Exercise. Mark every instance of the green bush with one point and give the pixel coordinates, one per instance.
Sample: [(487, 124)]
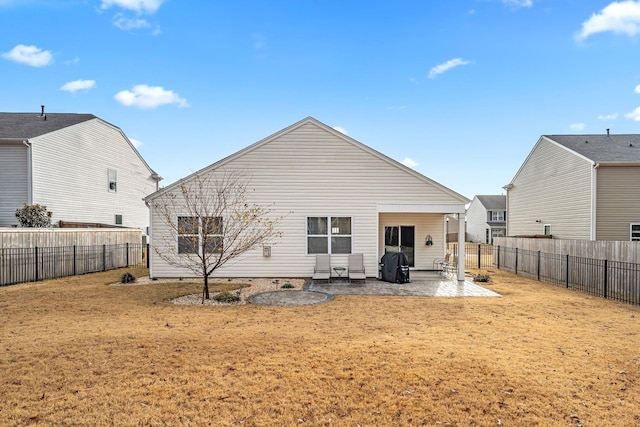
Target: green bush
[(127, 278), (226, 297), (287, 286)]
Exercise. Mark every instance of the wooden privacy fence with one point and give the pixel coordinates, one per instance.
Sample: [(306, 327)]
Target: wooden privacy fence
[(19, 265), (55, 237)]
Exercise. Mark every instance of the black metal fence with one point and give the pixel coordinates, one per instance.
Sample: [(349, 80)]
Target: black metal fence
[(616, 280), (19, 265)]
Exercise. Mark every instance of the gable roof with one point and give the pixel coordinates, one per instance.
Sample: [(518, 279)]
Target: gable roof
[(493, 202), (602, 148), (338, 134), (31, 125)]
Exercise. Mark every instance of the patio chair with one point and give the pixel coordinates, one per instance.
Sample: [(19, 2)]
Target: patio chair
[(356, 267), (322, 270), (442, 265)]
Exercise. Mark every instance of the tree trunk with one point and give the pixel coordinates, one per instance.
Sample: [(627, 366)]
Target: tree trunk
[(205, 289)]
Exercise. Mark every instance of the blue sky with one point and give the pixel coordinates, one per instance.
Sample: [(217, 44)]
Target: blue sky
[(459, 90)]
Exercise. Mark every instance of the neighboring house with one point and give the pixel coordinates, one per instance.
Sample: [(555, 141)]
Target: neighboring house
[(578, 187), (83, 169), (311, 174), (486, 218)]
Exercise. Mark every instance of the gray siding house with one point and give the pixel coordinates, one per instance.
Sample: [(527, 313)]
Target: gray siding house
[(310, 172), (578, 187), (486, 218), (85, 170)]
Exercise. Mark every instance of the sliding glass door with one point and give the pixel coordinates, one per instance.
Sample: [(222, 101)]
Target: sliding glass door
[(401, 238)]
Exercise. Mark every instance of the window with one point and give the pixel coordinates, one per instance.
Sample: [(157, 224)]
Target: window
[(547, 229), (113, 180), (328, 235), (635, 233), (195, 233), (118, 219), (497, 215)]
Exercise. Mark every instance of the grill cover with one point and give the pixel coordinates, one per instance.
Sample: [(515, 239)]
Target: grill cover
[(395, 267)]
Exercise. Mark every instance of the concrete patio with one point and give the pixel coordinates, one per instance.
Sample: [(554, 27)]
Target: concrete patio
[(423, 283)]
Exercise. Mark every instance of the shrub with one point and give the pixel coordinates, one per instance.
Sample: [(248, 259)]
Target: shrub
[(226, 297), (287, 286), (34, 216), (127, 278), (481, 278)]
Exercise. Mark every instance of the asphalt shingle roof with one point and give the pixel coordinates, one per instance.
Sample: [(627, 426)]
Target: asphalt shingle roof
[(31, 125), (494, 202), (602, 148)]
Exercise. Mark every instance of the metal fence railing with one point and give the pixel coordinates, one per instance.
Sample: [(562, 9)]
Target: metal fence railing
[(19, 265), (614, 280)]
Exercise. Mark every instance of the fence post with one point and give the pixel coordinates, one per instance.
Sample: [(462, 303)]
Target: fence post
[(567, 265), (35, 256), (498, 257), (479, 250), (538, 266), (75, 273), (516, 267), (127, 254), (148, 255), (605, 278), (104, 257)]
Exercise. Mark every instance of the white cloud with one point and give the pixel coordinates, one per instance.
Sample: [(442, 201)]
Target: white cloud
[(144, 96), (637, 89), (29, 55), (634, 115), (127, 24), (446, 66), (409, 162), (577, 126), (518, 3), (135, 142), (341, 130), (618, 17), (611, 116), (139, 6), (79, 85)]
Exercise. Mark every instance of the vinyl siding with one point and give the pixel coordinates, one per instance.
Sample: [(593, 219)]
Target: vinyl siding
[(70, 175), (14, 181), (311, 172), (553, 186), (618, 201), (424, 224), (476, 222)]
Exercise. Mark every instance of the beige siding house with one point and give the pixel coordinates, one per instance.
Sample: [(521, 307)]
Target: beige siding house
[(309, 172), (82, 168), (578, 187), (486, 218)]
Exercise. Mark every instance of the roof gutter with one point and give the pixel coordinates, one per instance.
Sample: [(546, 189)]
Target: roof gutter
[(29, 172)]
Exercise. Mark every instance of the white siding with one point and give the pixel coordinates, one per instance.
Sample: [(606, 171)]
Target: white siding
[(618, 195), (554, 187), (309, 171), (70, 175), (477, 222), (14, 181)]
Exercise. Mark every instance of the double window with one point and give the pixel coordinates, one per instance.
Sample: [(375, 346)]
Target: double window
[(497, 216), (328, 235), (200, 235), (635, 232)]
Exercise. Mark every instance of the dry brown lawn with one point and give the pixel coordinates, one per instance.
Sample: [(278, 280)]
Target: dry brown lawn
[(76, 351)]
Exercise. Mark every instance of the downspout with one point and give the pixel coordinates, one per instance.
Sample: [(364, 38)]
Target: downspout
[(461, 240), (594, 182), (29, 173)]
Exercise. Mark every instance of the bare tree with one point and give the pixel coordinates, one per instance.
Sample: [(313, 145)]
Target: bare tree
[(211, 221)]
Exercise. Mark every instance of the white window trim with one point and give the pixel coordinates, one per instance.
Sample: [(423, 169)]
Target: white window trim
[(494, 214), (544, 229), (112, 188), (631, 239), (328, 235), (199, 235)]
